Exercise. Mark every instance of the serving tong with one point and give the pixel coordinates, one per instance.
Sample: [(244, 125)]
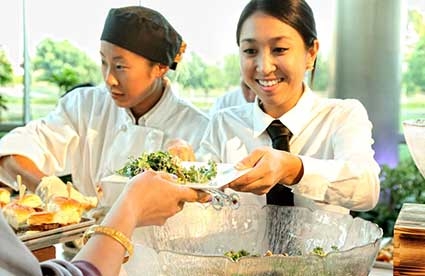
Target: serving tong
[(221, 199)]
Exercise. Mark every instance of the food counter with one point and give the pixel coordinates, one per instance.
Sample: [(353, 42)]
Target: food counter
[(376, 271), (381, 272)]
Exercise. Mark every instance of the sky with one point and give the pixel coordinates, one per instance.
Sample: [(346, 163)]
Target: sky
[(207, 26)]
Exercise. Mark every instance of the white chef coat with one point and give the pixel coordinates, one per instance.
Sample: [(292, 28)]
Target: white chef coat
[(333, 138), (89, 136), (232, 98)]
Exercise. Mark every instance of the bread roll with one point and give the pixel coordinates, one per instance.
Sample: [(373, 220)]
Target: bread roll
[(55, 187), (67, 210), (31, 200), (42, 221), (4, 197), (17, 214)]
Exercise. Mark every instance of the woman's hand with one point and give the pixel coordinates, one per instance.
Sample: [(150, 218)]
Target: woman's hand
[(155, 196), (180, 148), (270, 166), (149, 198)]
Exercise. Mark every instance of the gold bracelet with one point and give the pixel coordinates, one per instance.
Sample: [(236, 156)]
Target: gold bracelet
[(115, 234)]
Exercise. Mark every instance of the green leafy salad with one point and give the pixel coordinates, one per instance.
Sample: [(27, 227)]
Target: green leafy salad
[(236, 255), (164, 161)]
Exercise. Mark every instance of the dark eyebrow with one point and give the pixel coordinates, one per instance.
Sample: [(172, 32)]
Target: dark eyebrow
[(249, 40), (273, 39), (114, 58)]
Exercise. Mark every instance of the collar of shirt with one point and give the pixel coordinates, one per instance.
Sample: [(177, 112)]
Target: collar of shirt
[(294, 119), (156, 115)]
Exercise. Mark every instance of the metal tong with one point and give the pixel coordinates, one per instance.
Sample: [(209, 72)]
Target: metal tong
[(221, 199)]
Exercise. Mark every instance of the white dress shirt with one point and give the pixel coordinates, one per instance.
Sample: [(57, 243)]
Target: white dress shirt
[(89, 136), (333, 138), (231, 98)]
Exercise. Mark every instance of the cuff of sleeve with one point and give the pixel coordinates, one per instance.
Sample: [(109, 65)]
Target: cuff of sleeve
[(312, 185), (87, 268)]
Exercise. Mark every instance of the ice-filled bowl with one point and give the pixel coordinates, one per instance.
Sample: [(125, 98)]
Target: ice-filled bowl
[(414, 133), (194, 242)]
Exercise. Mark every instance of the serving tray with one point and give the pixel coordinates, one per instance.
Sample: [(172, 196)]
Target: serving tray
[(42, 239)]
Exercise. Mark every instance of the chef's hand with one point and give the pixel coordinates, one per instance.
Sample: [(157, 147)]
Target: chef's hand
[(270, 166), (152, 197), (181, 149)]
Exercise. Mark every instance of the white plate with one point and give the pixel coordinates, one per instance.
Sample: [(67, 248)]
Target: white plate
[(226, 173)]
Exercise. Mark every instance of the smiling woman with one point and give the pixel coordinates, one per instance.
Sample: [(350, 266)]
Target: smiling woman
[(330, 164)]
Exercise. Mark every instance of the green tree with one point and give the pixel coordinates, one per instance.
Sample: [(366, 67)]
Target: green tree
[(231, 71), (6, 77), (64, 65), (191, 72), (414, 77), (214, 77), (417, 20), (6, 71), (194, 73)]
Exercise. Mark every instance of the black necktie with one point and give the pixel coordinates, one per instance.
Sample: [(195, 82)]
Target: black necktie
[(280, 135)]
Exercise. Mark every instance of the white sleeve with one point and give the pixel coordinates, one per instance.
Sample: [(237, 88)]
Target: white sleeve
[(351, 178), (47, 142)]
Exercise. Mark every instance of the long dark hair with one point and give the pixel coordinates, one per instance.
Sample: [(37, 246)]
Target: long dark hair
[(295, 13)]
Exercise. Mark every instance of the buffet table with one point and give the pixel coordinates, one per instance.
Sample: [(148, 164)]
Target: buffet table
[(381, 272), (44, 254), (376, 271)]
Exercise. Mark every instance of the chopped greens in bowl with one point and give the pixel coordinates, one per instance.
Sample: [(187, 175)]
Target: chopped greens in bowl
[(164, 161)]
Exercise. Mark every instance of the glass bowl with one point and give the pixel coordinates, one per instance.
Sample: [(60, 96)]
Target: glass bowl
[(414, 133), (194, 242)]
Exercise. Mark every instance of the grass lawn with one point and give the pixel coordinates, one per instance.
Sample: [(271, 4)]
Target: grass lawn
[(412, 108)]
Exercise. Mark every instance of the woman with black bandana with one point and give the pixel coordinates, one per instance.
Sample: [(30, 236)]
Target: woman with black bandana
[(94, 130)]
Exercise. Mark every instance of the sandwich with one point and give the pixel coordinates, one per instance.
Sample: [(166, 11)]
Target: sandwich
[(30, 200), (4, 197), (66, 210), (17, 214), (42, 221), (56, 187), (20, 208), (60, 211)]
